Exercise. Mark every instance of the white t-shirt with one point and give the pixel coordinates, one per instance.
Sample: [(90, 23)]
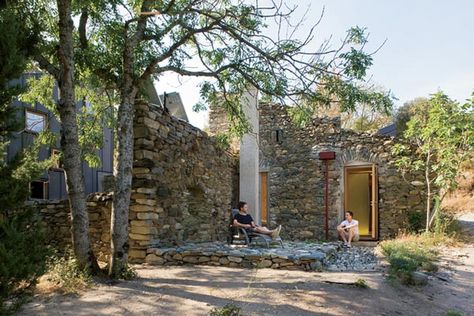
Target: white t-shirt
[(353, 222)]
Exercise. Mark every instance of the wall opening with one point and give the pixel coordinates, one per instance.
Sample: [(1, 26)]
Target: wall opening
[(360, 197)]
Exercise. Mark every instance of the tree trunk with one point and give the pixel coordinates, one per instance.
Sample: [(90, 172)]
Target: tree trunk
[(123, 168), (70, 140)]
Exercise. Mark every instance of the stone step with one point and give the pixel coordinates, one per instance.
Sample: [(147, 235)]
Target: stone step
[(365, 243)]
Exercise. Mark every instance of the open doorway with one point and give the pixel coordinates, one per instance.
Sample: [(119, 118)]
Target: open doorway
[(360, 197)]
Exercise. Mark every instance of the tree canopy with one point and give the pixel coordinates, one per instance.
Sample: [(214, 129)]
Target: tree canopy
[(443, 137)]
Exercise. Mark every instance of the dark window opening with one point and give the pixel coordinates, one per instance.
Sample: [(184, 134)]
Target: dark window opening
[(39, 190), (278, 136)]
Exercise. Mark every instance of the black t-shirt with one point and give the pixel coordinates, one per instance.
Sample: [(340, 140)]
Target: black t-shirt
[(243, 219)]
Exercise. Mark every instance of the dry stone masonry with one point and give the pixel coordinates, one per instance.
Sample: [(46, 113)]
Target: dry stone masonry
[(294, 257), (296, 175), (182, 183), (57, 219), (296, 182)]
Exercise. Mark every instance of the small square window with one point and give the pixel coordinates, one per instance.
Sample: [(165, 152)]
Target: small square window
[(35, 121), (39, 189)]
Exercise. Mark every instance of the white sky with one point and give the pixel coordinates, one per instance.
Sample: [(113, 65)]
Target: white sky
[(429, 46)]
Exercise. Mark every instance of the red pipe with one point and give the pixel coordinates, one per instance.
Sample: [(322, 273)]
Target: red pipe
[(326, 195), (326, 156)]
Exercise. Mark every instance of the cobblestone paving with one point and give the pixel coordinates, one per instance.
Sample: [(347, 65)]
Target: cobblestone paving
[(295, 255)]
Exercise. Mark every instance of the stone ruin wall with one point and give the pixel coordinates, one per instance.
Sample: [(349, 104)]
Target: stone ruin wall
[(182, 190), (182, 183), (296, 175), (57, 219)]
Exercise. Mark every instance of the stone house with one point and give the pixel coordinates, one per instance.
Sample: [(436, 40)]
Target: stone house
[(184, 184), (283, 175)]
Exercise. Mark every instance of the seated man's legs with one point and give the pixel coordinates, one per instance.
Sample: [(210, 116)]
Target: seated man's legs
[(352, 237), (344, 235), (348, 236), (263, 230)]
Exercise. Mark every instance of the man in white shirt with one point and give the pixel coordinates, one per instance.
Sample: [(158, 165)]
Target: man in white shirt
[(349, 230)]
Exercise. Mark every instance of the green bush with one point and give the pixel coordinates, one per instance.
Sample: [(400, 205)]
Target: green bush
[(128, 273), (361, 283), (227, 310), (22, 257), (66, 273), (416, 221), (446, 224), (410, 253)]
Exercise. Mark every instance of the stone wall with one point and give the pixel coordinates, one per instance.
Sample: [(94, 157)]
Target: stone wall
[(296, 175), (296, 257), (56, 215), (182, 183)]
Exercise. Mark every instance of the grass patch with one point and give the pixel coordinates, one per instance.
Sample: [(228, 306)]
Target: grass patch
[(361, 283), (409, 253), (65, 276), (453, 313), (128, 273), (227, 310)]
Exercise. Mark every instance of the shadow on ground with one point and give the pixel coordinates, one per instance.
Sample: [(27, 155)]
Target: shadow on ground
[(195, 290)]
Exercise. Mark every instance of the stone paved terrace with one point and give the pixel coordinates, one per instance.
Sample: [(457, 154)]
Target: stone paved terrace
[(294, 256)]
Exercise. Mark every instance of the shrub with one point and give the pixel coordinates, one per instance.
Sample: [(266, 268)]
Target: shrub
[(416, 221), (446, 224), (410, 253), (128, 273), (227, 310), (65, 272), (22, 257), (361, 283)]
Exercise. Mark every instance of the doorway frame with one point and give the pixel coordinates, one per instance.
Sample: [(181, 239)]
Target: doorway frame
[(371, 168)]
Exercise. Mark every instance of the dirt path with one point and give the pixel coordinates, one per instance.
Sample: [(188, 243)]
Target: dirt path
[(195, 290)]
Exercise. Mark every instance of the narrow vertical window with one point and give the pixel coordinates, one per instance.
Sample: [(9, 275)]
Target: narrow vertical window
[(277, 135)]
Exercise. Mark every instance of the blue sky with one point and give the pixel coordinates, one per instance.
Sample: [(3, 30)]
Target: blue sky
[(430, 46)]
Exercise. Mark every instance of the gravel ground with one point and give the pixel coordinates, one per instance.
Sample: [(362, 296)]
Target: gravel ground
[(195, 290)]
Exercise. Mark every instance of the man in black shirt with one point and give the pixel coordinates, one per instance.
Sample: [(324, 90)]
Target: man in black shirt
[(245, 220)]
